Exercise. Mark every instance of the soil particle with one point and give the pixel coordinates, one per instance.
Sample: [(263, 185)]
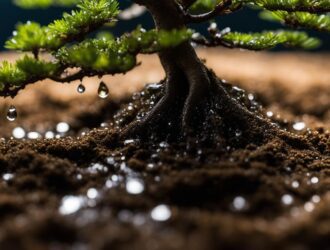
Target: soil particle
[(92, 190)]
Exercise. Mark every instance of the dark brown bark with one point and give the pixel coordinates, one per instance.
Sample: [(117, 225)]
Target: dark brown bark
[(187, 78), (185, 73)]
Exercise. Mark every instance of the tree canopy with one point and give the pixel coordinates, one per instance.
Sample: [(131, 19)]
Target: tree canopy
[(71, 45)]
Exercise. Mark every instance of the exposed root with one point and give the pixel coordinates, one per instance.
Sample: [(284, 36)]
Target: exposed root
[(208, 108)]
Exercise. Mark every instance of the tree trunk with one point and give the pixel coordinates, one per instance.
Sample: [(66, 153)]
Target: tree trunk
[(181, 62), (187, 78)]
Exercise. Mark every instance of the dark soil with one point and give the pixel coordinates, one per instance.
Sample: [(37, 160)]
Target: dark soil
[(219, 189)]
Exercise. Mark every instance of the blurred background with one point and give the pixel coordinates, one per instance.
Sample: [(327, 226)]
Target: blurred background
[(245, 21)]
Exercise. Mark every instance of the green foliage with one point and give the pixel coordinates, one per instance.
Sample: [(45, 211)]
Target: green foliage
[(31, 37), (119, 56), (37, 68), (65, 38), (14, 76), (269, 39), (105, 55), (299, 19), (314, 6), (10, 75), (89, 16), (29, 4)]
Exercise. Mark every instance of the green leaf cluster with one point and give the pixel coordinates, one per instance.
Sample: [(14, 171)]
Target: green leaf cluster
[(105, 55), (312, 6), (299, 19), (29, 4), (14, 76), (89, 16), (66, 39), (269, 39), (119, 55)]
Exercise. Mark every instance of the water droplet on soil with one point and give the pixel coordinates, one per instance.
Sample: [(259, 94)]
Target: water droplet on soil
[(7, 176), (71, 204), (18, 133), (151, 166), (251, 97), (314, 180), (103, 90), (316, 199), (164, 144), (95, 168), (154, 86), (239, 203), (49, 135), (81, 88), (12, 113), (134, 186), (309, 206), (161, 213), (109, 184), (238, 133), (269, 113), (92, 193), (295, 184), (62, 127), (33, 135), (287, 199), (299, 126), (130, 141)]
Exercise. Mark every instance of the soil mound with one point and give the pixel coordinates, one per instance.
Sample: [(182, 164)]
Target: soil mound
[(88, 189)]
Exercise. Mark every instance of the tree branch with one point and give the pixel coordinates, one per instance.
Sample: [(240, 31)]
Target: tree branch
[(221, 8)]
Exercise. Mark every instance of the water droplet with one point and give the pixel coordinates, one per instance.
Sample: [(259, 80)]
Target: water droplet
[(103, 90), (110, 160), (299, 126), (7, 176), (164, 144), (295, 184), (49, 135), (81, 88), (115, 178), (71, 204), (12, 113), (269, 113), (314, 180), (95, 168), (309, 206), (238, 133), (287, 199), (316, 199), (109, 184), (239, 203), (150, 166), (130, 141), (104, 125), (154, 86), (33, 135), (161, 213), (92, 193), (18, 133), (62, 127), (213, 27), (134, 186), (251, 97)]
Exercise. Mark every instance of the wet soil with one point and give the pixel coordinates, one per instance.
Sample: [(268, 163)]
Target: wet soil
[(88, 189)]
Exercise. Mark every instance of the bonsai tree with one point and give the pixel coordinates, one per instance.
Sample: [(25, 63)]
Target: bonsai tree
[(189, 88)]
